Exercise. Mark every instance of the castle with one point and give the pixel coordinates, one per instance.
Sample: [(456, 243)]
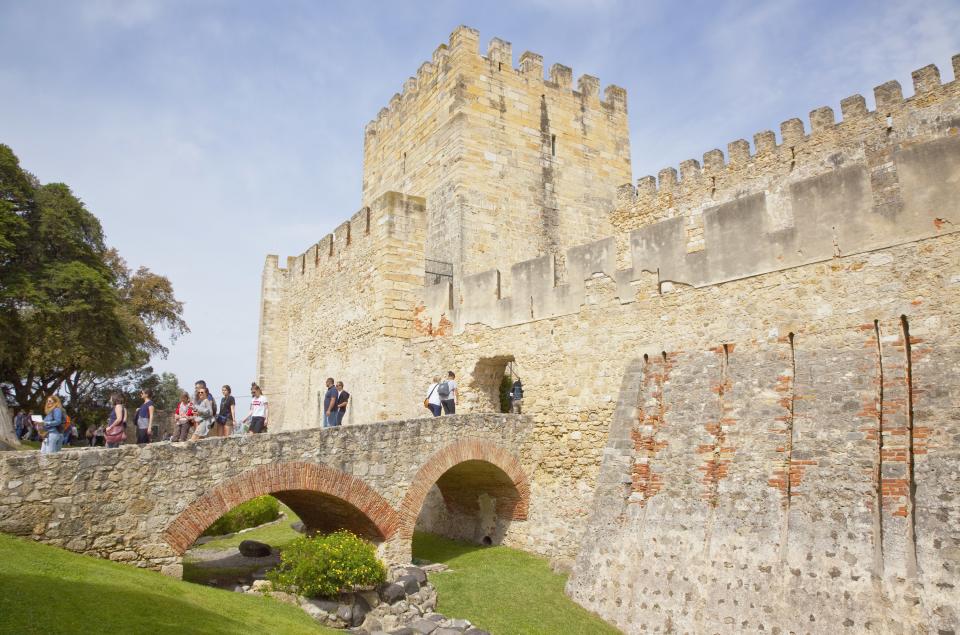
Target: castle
[(742, 376)]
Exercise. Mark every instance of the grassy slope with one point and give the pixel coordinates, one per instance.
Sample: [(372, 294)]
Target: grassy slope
[(48, 590), (276, 535), (503, 590)]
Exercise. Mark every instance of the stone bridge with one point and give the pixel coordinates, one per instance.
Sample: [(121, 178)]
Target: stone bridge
[(147, 504)]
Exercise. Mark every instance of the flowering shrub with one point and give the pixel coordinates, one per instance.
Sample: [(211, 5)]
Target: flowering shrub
[(253, 513), (323, 566)]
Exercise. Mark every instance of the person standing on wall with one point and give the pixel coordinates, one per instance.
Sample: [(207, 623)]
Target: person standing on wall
[(54, 421), (330, 405), (228, 413), (448, 393), (432, 402), (145, 417), (202, 385), (22, 424), (516, 397), (183, 416), (116, 422), (342, 398), (204, 409), (259, 411)]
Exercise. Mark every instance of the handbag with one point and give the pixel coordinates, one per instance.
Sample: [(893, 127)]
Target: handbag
[(426, 402), (115, 433)]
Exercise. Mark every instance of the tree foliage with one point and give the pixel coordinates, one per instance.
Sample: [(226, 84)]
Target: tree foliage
[(72, 314)]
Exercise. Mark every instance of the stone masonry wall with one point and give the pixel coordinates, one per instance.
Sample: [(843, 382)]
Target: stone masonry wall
[(340, 310)]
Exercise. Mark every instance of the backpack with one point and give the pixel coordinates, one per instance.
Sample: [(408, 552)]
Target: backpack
[(444, 390)]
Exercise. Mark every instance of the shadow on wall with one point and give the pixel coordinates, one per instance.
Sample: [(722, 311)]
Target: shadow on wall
[(473, 501)]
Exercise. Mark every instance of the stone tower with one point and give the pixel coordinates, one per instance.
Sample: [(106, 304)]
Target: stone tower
[(512, 165)]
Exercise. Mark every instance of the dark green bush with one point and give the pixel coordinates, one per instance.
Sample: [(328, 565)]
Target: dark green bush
[(323, 566), (254, 512)]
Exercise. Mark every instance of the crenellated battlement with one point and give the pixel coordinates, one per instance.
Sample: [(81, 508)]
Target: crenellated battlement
[(873, 180), (800, 149), (464, 43)]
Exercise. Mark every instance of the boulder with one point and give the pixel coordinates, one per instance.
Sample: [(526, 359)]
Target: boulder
[(391, 593), (260, 585), (410, 583), (460, 625), (299, 527), (254, 549), (418, 574), (345, 612), (447, 631), (424, 627), (403, 631), (360, 609)]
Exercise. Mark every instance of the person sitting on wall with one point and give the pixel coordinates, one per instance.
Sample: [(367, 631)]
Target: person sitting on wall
[(448, 393), (432, 402), (330, 405), (342, 398)]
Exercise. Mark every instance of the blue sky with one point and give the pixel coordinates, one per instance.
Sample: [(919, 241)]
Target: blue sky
[(206, 134)]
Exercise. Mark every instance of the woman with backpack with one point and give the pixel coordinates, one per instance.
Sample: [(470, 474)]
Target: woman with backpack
[(116, 422), (432, 402), (54, 421)]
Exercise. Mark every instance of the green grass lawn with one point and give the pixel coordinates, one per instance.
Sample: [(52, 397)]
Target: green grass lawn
[(276, 535), (48, 590), (503, 590)]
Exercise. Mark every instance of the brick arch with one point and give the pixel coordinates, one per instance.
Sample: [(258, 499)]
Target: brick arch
[(297, 483), (464, 453)]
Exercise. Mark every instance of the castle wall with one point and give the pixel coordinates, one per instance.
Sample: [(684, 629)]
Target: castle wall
[(512, 165), (341, 310), (785, 445)]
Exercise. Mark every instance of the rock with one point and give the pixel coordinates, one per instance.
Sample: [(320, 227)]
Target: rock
[(299, 527), (391, 593), (436, 567), (436, 617), (372, 624), (370, 597), (239, 589), (424, 627), (475, 631), (418, 574), (403, 631), (448, 631), (254, 549), (360, 609), (460, 624), (345, 612), (312, 606), (260, 585), (410, 583)]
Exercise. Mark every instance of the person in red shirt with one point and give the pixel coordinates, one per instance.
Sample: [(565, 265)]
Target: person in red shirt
[(183, 417)]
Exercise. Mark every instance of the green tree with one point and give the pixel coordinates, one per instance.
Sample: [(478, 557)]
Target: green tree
[(72, 313)]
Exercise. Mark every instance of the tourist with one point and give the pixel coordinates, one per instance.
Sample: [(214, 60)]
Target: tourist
[(228, 413), (202, 385), (342, 398), (100, 436), (145, 417), (516, 397), (90, 435), (22, 424), (116, 422), (448, 394), (203, 412), (259, 411), (330, 405), (69, 431), (54, 421), (432, 402), (183, 417)]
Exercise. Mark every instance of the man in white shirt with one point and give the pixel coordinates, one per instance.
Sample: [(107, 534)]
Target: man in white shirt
[(448, 394)]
